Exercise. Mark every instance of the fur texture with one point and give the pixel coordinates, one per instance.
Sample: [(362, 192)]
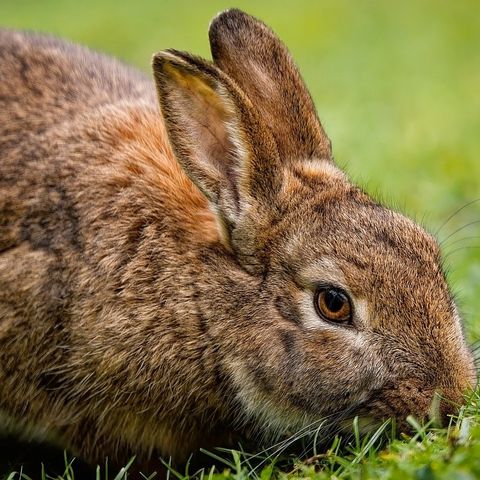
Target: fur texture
[(158, 265)]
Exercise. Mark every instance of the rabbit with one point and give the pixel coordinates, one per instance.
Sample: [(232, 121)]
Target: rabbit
[(183, 265)]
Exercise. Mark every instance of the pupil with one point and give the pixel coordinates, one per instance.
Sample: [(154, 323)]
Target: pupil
[(334, 300)]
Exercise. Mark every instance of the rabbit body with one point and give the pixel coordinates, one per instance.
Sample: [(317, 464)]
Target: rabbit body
[(101, 235), (158, 265)]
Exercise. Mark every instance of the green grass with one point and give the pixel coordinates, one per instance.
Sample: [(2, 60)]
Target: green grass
[(397, 86), (451, 453)]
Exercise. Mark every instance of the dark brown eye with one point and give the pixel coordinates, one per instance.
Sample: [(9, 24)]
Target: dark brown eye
[(333, 305)]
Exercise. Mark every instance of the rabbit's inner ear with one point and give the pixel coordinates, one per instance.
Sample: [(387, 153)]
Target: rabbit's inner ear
[(204, 129), (206, 118)]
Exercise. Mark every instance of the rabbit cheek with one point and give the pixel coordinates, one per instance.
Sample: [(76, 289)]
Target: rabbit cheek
[(268, 384), (262, 402), (302, 378)]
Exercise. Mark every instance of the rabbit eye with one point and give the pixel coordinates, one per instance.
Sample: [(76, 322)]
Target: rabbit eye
[(333, 305)]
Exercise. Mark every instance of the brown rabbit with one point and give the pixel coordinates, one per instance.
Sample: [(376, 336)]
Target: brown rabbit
[(181, 276)]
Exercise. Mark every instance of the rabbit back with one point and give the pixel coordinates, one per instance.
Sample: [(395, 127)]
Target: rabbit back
[(95, 217)]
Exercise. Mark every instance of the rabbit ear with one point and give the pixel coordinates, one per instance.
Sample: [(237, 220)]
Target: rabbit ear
[(250, 53), (216, 134)]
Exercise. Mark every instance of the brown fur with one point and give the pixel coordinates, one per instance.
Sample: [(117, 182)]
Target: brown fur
[(158, 267)]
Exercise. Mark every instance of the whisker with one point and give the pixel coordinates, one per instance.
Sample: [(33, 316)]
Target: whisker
[(459, 240), (456, 212), (333, 418), (458, 230), (328, 435), (284, 444), (465, 247), (326, 423)]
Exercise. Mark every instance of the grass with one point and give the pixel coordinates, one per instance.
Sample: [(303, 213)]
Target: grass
[(397, 88), (429, 454)]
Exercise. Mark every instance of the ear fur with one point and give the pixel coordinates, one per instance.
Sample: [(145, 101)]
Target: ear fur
[(216, 135), (252, 55)]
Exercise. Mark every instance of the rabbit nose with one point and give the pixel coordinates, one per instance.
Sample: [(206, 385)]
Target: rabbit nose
[(451, 391)]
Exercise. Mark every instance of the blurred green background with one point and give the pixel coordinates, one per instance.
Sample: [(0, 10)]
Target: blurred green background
[(397, 86)]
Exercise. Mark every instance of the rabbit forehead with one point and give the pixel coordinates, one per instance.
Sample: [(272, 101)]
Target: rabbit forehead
[(372, 252), (343, 223)]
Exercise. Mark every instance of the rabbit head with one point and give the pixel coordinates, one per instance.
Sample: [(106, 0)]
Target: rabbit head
[(324, 303)]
